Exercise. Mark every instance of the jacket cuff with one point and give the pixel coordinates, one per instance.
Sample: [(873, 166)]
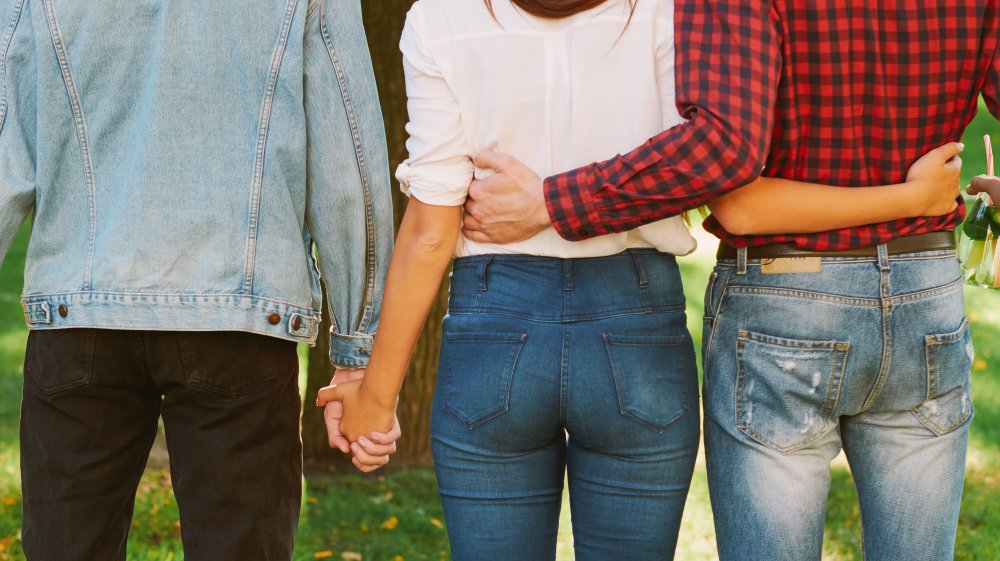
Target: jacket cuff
[(350, 351)]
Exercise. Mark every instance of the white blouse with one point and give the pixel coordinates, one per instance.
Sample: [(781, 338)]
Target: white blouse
[(556, 94)]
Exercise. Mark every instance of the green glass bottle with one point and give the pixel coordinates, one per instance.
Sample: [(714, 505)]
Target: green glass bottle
[(977, 243)]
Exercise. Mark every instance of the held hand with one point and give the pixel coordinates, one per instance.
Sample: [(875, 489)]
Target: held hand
[(506, 207), (334, 411), (361, 415), (935, 177), (986, 184), (373, 452)]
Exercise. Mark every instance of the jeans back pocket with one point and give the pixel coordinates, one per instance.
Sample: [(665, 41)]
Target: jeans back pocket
[(60, 359), (478, 373), (655, 377), (949, 358), (787, 389), (234, 364)]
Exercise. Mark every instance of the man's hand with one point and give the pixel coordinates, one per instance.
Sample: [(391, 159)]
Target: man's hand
[(506, 207), (333, 411), (935, 177), (986, 184)]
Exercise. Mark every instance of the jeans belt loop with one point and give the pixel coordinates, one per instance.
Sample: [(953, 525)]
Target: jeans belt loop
[(483, 265), (640, 272), (741, 261), (883, 257), (567, 266)]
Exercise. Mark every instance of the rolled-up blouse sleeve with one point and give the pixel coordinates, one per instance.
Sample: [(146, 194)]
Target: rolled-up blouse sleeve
[(439, 168)]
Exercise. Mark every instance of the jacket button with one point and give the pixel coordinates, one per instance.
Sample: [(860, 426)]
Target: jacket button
[(296, 323), (63, 310), (274, 319)]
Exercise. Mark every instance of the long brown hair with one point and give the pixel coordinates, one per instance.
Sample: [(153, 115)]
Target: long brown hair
[(557, 8)]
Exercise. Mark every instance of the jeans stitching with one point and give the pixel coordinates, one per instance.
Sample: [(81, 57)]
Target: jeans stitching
[(8, 37), (665, 341), (277, 57), (371, 265), (932, 346), (78, 382), (519, 339), (839, 350), (801, 295), (81, 133), (926, 294), (559, 318), (709, 326)]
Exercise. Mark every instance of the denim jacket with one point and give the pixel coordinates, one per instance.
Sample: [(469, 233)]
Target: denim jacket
[(194, 165)]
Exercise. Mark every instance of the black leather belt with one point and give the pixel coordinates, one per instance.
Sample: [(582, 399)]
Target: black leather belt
[(910, 244)]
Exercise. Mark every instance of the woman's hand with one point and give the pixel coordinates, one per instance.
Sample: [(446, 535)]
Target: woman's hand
[(986, 184), (934, 180)]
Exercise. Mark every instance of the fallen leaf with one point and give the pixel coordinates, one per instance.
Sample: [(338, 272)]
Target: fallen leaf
[(351, 556), (322, 554), (390, 524), (980, 364), (436, 523)]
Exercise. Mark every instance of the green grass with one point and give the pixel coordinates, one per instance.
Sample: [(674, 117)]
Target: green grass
[(383, 518), (396, 516)]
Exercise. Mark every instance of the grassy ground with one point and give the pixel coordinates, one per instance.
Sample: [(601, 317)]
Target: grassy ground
[(397, 517)]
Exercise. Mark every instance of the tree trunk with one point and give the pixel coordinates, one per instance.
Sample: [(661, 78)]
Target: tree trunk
[(384, 24)]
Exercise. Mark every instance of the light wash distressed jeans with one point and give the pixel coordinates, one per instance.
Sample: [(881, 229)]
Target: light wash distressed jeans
[(871, 355), (553, 368)]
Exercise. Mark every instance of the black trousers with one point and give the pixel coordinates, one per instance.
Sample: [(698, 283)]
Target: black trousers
[(230, 406)]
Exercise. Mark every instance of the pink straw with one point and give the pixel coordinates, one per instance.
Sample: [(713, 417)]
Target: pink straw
[(989, 154)]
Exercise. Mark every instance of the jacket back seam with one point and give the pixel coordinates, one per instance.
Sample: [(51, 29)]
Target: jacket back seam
[(367, 312), (261, 151), (8, 37), (81, 133)]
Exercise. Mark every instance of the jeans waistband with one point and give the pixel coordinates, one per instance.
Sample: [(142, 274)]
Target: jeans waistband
[(555, 289)]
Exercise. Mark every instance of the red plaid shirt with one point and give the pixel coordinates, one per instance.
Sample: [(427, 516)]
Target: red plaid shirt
[(841, 92)]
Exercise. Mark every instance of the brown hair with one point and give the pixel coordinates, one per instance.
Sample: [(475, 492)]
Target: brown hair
[(557, 8)]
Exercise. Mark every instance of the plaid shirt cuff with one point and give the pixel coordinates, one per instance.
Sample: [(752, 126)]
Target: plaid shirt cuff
[(571, 204)]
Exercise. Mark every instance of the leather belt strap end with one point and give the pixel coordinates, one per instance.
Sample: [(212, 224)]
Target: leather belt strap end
[(933, 241)]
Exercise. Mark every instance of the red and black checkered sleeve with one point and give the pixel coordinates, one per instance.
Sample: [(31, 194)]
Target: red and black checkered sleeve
[(728, 67), (991, 88)]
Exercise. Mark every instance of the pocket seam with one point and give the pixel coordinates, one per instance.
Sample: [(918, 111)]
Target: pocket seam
[(50, 390), (840, 352), (643, 341), (932, 344), (519, 338), (187, 355)]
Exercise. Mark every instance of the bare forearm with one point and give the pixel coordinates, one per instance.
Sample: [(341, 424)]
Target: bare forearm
[(780, 206), (424, 247)]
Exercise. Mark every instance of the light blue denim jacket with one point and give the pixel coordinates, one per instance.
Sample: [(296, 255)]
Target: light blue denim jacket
[(193, 165)]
